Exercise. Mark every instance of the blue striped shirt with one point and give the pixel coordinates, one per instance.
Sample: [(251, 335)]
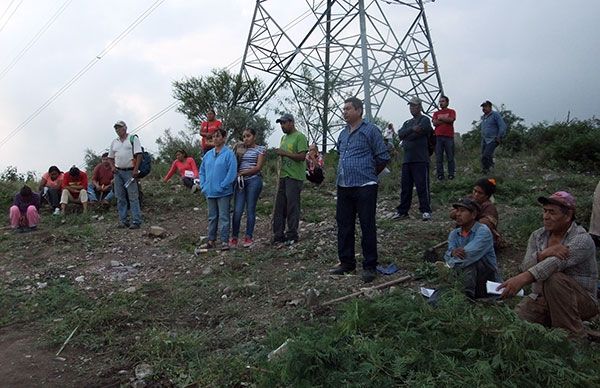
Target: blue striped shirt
[(250, 159), (360, 152)]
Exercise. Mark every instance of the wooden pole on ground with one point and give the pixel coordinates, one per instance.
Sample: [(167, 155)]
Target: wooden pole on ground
[(377, 287)]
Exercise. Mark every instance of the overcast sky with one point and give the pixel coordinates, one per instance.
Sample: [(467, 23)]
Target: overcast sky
[(538, 58)]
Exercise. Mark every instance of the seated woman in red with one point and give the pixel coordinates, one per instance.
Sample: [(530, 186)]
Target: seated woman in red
[(186, 166)]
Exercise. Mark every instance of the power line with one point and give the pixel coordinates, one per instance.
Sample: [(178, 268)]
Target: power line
[(84, 70), (35, 38), (154, 117), (11, 15), (6, 10)]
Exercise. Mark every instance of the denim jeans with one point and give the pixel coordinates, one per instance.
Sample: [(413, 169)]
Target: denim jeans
[(414, 174), (487, 154), (218, 214), (287, 209), (246, 198), (353, 201), (124, 193), (93, 194), (444, 144)]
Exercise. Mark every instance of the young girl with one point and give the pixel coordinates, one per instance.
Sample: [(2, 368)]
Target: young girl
[(248, 188)]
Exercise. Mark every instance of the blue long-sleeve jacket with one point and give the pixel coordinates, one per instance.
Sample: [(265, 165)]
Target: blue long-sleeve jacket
[(492, 126), (478, 245), (217, 173)]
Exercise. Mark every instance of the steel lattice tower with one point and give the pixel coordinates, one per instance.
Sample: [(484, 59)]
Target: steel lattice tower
[(340, 48)]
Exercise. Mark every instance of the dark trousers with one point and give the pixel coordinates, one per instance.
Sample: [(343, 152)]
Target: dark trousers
[(53, 197), (475, 277), (487, 155), (414, 174), (361, 201), (316, 176), (287, 208), (444, 144), (187, 182)]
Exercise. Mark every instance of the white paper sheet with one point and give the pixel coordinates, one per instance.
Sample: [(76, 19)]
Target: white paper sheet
[(427, 292), (491, 289)]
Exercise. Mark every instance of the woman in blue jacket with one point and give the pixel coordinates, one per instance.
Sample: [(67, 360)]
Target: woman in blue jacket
[(218, 171)]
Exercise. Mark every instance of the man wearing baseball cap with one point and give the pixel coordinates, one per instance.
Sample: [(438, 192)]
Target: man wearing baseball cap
[(471, 249), (493, 130), (561, 263)]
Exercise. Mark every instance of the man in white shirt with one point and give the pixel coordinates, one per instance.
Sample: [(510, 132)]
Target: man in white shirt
[(125, 156)]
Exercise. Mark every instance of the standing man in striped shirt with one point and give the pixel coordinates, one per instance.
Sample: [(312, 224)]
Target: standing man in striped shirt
[(363, 155)]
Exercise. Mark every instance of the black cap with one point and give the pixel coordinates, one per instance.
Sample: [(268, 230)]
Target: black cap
[(468, 204)]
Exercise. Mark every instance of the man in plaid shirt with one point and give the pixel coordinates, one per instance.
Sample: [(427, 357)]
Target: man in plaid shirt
[(561, 263)]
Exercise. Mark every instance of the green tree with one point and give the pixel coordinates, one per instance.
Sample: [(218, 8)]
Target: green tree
[(168, 145), (227, 94), (91, 159)]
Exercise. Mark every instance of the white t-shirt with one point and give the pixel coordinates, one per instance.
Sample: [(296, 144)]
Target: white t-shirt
[(121, 151)]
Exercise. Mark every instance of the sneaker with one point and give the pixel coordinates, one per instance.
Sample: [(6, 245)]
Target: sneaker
[(277, 241), (224, 246), (233, 242), (426, 216), (33, 228), (398, 216), (450, 177), (291, 242), (368, 275), (441, 178), (339, 270), (248, 242), (134, 226), (56, 212), (123, 225), (194, 188)]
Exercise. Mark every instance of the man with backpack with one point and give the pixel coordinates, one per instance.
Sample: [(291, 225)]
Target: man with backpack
[(125, 155), (415, 134)]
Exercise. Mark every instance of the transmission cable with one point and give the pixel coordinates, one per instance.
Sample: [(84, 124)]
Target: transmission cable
[(84, 70), (11, 14), (35, 38)]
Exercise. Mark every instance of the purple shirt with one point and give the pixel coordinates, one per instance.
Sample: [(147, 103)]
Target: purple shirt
[(23, 203)]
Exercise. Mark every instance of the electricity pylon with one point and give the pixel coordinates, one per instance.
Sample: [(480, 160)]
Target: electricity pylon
[(337, 49)]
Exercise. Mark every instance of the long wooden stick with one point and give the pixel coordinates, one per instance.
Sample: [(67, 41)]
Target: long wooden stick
[(377, 287), (67, 340)]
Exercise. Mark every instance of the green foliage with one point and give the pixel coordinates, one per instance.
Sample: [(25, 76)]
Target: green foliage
[(400, 340), (11, 174), (91, 160), (569, 145), (168, 145), (227, 94)]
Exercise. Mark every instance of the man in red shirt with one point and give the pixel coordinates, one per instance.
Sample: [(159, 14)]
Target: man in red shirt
[(207, 128), (102, 181), (443, 122), (74, 187)]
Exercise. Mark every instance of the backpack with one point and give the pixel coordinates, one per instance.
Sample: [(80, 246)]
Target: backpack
[(146, 163)]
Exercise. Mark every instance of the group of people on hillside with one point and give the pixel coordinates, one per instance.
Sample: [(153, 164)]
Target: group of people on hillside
[(560, 260)]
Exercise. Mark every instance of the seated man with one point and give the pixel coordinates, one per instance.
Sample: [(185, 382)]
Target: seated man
[(74, 187), (561, 263), (102, 179), (471, 249), (24, 213)]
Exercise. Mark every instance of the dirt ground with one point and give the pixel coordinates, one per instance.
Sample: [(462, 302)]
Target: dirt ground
[(251, 290)]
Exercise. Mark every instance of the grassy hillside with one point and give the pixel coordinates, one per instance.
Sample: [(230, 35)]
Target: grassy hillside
[(137, 301)]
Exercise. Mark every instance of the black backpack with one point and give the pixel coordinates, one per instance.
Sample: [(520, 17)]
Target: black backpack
[(146, 163)]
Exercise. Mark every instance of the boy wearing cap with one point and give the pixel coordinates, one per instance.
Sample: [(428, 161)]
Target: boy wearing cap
[(561, 263), (471, 249), (493, 130), (292, 172)]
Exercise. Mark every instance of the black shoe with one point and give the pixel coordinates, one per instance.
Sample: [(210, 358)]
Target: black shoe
[(123, 225), (134, 226), (441, 177), (450, 177), (399, 216), (291, 241), (339, 270), (368, 275), (277, 241)]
